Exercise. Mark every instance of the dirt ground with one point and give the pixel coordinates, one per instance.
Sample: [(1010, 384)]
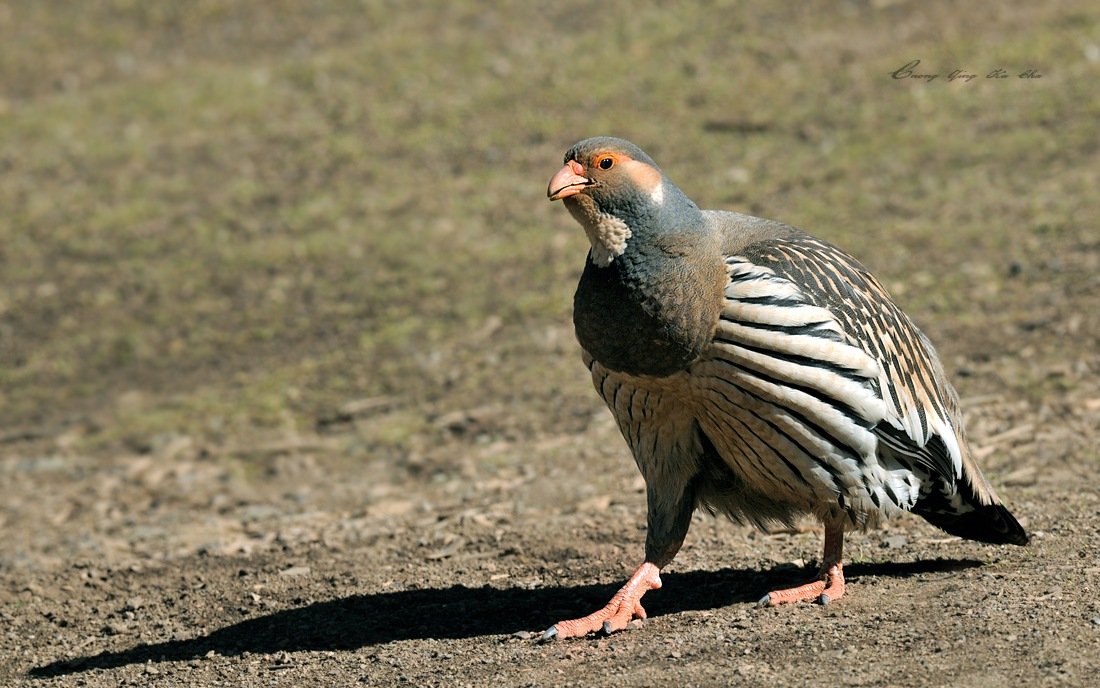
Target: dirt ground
[(290, 395)]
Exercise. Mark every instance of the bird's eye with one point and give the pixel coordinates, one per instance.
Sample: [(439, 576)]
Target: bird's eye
[(605, 163)]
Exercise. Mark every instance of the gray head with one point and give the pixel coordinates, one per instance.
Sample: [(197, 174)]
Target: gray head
[(619, 196), (614, 174)]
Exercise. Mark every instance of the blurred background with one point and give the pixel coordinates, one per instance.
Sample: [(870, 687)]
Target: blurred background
[(236, 229)]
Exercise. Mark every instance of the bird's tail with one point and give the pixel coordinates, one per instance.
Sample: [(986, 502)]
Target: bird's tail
[(991, 523)]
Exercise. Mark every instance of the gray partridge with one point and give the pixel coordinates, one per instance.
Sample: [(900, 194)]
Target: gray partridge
[(758, 372)]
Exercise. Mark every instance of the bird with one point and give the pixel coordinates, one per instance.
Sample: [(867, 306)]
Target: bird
[(758, 372)]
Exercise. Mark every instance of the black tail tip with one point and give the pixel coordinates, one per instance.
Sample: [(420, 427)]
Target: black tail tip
[(991, 523)]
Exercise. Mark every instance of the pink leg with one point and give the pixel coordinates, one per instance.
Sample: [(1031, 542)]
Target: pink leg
[(670, 505), (831, 584), (623, 607)]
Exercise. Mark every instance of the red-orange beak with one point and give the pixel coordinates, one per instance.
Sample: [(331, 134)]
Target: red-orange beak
[(568, 182)]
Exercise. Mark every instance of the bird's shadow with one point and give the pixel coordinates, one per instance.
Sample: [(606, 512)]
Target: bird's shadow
[(359, 621)]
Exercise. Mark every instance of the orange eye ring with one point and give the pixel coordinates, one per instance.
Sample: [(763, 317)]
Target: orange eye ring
[(605, 163)]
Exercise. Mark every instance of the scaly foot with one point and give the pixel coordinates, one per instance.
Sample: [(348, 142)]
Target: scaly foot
[(625, 606), (826, 590), (830, 585)]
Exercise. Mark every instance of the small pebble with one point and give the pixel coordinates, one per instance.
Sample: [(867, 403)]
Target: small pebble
[(895, 542)]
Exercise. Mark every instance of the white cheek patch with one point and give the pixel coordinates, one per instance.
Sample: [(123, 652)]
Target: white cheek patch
[(646, 179), (658, 193)]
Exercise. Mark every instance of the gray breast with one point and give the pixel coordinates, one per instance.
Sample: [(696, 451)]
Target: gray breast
[(638, 325)]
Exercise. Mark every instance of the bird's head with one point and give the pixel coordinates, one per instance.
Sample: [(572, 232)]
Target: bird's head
[(610, 173), (616, 192)]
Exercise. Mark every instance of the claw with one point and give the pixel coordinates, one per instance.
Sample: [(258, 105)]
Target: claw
[(829, 586), (617, 614), (549, 634)]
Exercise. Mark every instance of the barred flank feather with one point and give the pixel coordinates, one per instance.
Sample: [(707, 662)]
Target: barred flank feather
[(856, 396)]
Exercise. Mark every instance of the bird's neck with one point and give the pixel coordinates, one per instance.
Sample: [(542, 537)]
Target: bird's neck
[(653, 308), (607, 234), (612, 234)]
